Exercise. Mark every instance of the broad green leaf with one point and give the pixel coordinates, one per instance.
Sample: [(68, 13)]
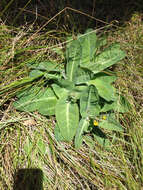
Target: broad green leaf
[(35, 73), (107, 58), (48, 66), (45, 66), (111, 124), (32, 65), (83, 126), (27, 100), (105, 90), (88, 44), (34, 90), (77, 91), (47, 102), (101, 138), (52, 76), (105, 77), (73, 55), (36, 99), (120, 105), (67, 116), (89, 102), (101, 41), (69, 85), (82, 76), (59, 91), (108, 106), (80, 88)]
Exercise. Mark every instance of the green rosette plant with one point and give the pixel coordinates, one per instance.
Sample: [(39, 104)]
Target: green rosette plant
[(79, 92)]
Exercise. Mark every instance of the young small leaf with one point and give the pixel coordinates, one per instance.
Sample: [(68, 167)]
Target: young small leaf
[(108, 106), (103, 141)]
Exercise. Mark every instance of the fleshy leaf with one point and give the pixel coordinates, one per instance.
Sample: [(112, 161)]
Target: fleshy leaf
[(77, 91), (67, 116), (47, 103)]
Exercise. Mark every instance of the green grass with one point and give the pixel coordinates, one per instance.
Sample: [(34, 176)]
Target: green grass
[(27, 139)]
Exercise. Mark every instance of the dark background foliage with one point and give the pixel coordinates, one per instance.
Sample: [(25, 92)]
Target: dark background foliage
[(16, 12)]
